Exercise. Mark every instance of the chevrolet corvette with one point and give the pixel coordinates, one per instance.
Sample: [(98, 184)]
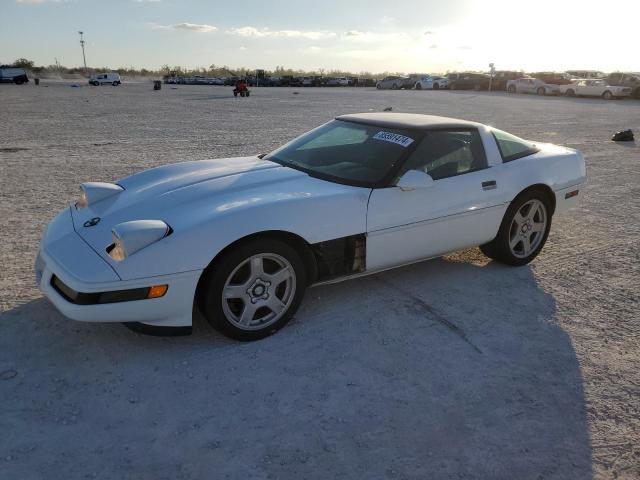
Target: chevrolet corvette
[(240, 239)]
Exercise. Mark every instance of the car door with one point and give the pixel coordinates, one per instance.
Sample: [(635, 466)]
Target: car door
[(461, 208)]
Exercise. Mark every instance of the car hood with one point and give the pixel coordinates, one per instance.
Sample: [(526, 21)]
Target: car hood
[(162, 192), (188, 195)]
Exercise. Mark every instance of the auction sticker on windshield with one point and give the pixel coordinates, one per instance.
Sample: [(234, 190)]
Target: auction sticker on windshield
[(394, 138)]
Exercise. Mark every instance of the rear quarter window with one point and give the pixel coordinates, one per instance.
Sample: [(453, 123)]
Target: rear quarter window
[(512, 147)]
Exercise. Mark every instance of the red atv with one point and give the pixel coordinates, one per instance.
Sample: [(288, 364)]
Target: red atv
[(241, 89)]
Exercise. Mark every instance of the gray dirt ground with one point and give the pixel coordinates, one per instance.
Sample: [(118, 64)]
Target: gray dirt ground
[(367, 382)]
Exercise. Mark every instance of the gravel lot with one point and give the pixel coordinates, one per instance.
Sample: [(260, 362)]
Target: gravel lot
[(453, 368)]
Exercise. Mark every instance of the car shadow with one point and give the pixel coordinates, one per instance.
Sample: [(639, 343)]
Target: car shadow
[(452, 368)]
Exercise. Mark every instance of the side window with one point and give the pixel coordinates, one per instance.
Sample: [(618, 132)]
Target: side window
[(512, 147), (447, 153)]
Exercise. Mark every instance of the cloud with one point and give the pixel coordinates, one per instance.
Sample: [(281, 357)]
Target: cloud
[(146, 1), (372, 37), (192, 27), (265, 33)]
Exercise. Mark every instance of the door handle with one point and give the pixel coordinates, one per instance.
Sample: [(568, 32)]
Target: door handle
[(489, 185)]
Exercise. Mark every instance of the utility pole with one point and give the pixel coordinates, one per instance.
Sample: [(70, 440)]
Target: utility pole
[(84, 59)]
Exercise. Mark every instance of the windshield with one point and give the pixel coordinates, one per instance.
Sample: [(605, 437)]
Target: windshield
[(347, 152)]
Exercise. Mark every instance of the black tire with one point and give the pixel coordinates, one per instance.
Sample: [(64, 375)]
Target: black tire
[(511, 89), (235, 94), (499, 249), (570, 93), (394, 87), (18, 81), (115, 84), (379, 87), (541, 91), (607, 95), (211, 291), (436, 86), (418, 86), (247, 94)]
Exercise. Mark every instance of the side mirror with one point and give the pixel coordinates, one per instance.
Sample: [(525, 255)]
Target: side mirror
[(414, 179)]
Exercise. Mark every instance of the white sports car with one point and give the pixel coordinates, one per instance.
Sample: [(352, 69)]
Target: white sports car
[(242, 238), (594, 88)]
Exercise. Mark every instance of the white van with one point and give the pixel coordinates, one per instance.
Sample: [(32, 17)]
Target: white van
[(113, 78)]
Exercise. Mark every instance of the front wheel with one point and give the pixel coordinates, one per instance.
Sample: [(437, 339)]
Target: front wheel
[(523, 232), (607, 95), (570, 93), (418, 86), (254, 290), (436, 86), (541, 91)]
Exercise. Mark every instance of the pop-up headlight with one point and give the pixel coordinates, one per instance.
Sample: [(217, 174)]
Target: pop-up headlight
[(93, 192), (130, 237)]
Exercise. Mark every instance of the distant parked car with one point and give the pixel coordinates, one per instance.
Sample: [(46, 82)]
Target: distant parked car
[(595, 88), (553, 78), (586, 74), (532, 85), (469, 81), (424, 83), (440, 82), (13, 75), (393, 82), (502, 77), (622, 79), (104, 78), (337, 82), (410, 81)]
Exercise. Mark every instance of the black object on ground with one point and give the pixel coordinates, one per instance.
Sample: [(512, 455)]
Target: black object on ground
[(157, 84), (623, 136)]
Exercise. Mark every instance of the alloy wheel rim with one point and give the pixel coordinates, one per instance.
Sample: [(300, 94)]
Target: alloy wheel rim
[(527, 228), (259, 291)]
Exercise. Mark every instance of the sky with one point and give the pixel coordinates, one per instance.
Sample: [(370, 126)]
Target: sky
[(354, 35)]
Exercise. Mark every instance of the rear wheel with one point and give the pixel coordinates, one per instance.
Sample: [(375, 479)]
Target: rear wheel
[(541, 91), (254, 290), (19, 81), (570, 93), (115, 84), (436, 86), (418, 86), (607, 95), (394, 87), (524, 230)]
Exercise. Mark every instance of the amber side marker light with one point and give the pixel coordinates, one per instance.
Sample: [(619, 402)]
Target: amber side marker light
[(571, 194), (157, 291)]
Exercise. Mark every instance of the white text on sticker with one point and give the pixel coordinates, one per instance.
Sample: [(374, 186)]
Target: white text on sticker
[(394, 138)]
